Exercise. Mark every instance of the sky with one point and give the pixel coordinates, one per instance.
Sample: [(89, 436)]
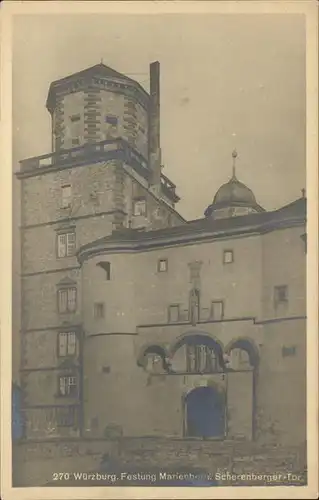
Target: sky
[(227, 81)]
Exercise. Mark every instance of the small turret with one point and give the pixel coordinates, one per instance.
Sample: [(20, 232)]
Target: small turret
[(233, 198)]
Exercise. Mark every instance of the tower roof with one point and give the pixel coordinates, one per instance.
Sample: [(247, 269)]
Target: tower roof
[(233, 193), (98, 70)]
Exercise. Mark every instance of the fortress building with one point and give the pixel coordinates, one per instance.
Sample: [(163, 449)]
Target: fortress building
[(136, 322)]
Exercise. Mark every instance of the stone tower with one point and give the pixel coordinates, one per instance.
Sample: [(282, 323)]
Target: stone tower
[(103, 174)]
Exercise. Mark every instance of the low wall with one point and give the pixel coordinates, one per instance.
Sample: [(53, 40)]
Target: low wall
[(35, 462)]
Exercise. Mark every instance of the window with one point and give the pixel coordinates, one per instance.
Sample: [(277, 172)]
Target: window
[(67, 300), (68, 386), (139, 207), (65, 417), (66, 344), (201, 359), (98, 310), (288, 351), (280, 294), (238, 359), (112, 120), (75, 141), (153, 363), (217, 310), (173, 313), (106, 266), (75, 118), (66, 196), (162, 265), (66, 244), (228, 256)]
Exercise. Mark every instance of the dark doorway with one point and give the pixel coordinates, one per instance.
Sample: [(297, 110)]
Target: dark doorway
[(205, 413)]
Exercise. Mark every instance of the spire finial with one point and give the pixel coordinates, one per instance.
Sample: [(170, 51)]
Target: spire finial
[(234, 155), (101, 60), (303, 192)]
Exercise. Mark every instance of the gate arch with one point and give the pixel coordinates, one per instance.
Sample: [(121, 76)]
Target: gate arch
[(204, 413)]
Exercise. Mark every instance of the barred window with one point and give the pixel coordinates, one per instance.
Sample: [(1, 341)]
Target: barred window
[(66, 244), (68, 386), (67, 343), (67, 300)]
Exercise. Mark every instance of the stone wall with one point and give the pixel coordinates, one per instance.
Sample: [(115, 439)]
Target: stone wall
[(34, 463)]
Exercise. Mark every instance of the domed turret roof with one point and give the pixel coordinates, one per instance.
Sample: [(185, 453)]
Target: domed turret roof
[(234, 191), (233, 194)]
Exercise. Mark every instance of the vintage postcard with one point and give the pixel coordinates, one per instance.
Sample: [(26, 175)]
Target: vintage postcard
[(159, 305)]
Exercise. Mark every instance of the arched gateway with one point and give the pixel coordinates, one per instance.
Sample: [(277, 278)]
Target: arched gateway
[(205, 413)]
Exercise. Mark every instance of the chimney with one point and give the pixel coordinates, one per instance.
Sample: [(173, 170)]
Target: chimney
[(154, 150)]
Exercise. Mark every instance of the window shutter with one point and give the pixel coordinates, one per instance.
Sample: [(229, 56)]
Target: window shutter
[(71, 343), (61, 245), (63, 386), (62, 344), (63, 300), (71, 299), (70, 244)]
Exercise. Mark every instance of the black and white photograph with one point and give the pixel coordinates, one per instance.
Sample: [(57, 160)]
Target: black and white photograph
[(161, 194)]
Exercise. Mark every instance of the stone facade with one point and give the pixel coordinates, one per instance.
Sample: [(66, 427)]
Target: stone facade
[(134, 320), (137, 302), (102, 191)]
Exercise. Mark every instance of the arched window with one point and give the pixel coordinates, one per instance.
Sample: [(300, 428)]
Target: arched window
[(239, 359), (153, 363), (242, 354), (201, 358), (154, 360)]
